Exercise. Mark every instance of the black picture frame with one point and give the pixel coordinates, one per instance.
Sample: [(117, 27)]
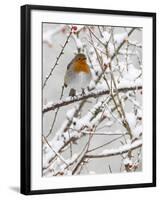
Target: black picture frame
[(25, 182)]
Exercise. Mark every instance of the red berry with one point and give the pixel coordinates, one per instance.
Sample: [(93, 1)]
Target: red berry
[(74, 28)]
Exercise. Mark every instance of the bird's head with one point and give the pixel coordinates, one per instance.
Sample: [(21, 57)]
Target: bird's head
[(80, 57)]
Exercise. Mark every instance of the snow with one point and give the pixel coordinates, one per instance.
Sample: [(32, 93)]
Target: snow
[(136, 103), (127, 161), (70, 113), (102, 86), (127, 75), (130, 84), (106, 60), (78, 42), (137, 131), (92, 84), (139, 113), (132, 73), (110, 49), (119, 38), (122, 148), (91, 51), (48, 104), (106, 36), (84, 121), (131, 118), (47, 35)]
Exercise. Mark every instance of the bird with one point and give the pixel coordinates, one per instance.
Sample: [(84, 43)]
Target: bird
[(78, 74)]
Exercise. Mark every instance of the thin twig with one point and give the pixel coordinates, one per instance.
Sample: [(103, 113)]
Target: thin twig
[(95, 36), (124, 121), (102, 133), (70, 145), (53, 122), (56, 63), (105, 144), (62, 159), (124, 41), (55, 116), (85, 150), (110, 170), (115, 152)]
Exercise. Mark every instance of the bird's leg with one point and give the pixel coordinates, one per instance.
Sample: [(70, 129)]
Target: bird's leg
[(72, 92), (83, 91)]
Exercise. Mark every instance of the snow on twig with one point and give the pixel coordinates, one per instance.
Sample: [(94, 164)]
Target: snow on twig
[(64, 137), (66, 153), (45, 139), (94, 94), (47, 35), (118, 151)]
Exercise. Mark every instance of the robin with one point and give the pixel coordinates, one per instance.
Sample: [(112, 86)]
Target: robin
[(78, 74)]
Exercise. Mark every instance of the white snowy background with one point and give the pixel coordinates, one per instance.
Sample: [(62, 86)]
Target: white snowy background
[(93, 135)]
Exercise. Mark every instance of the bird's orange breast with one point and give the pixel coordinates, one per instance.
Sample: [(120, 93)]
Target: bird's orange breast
[(80, 66)]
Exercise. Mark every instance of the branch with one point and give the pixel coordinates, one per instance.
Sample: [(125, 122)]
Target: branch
[(56, 63), (118, 151), (114, 55), (55, 116), (62, 159), (79, 97), (124, 41)]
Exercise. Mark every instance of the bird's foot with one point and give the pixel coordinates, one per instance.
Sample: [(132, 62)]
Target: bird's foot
[(83, 91), (72, 93)]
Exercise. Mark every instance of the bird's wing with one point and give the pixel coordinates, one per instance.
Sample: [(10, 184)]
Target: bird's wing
[(65, 80), (68, 66), (68, 73)]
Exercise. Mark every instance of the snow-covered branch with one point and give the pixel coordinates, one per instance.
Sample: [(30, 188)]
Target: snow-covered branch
[(105, 120), (94, 94), (118, 151)]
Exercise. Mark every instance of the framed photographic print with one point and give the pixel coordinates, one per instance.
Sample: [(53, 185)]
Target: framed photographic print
[(88, 99)]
